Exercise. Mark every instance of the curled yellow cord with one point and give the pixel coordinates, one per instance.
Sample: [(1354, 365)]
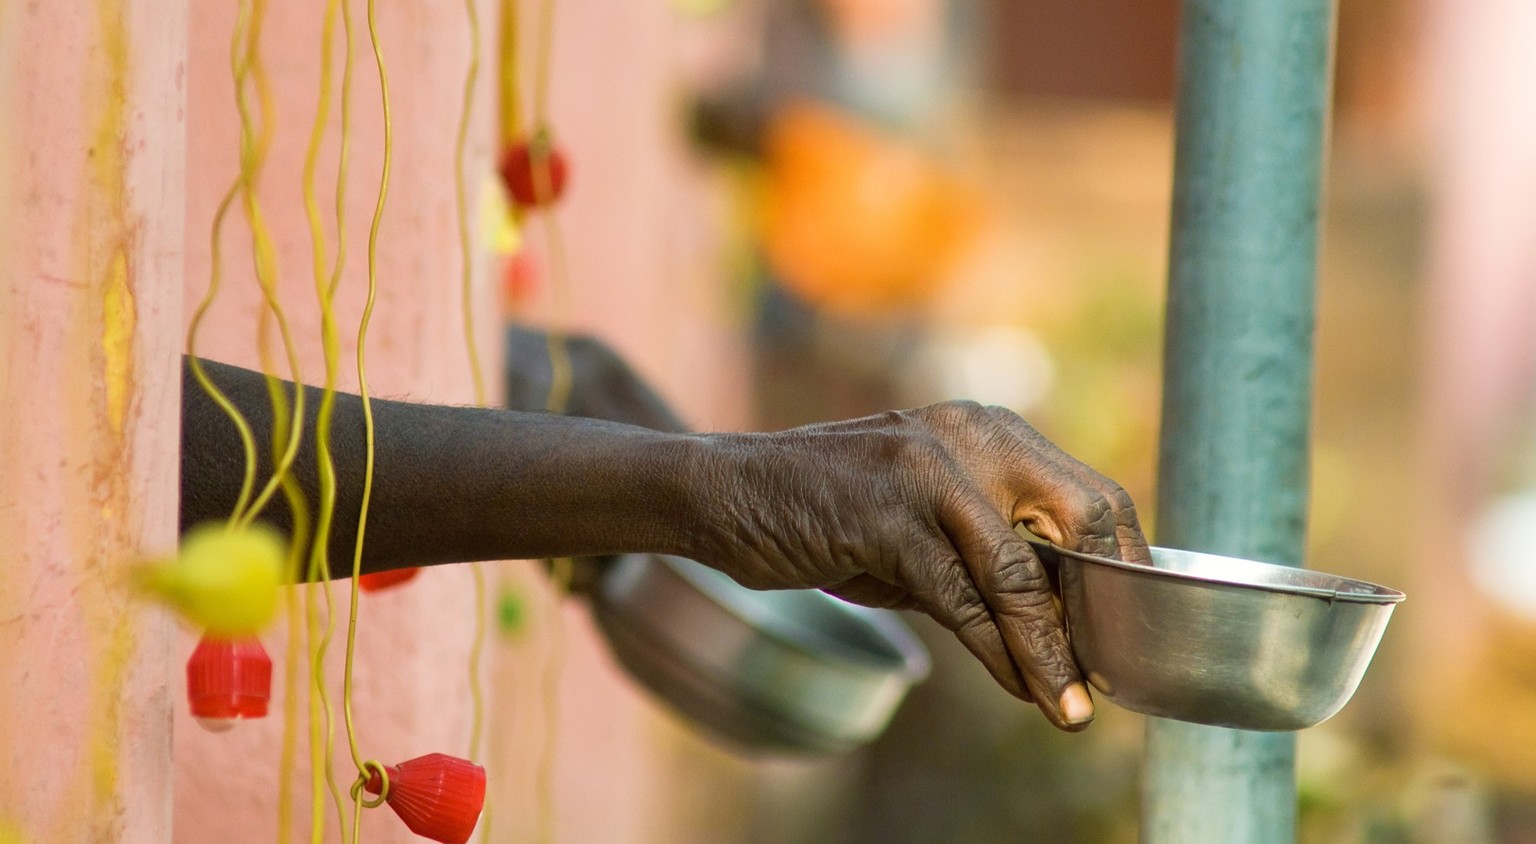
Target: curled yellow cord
[(368, 426), (362, 782), (359, 802)]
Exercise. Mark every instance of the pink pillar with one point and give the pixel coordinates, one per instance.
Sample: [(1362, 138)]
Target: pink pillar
[(413, 693), (91, 167), (96, 166)]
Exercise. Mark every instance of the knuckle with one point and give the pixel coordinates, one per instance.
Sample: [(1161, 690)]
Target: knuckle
[(1124, 507), (1084, 509), (951, 592), (1021, 576), (1095, 506), (1006, 417), (889, 447), (1042, 627), (1120, 500), (955, 413)]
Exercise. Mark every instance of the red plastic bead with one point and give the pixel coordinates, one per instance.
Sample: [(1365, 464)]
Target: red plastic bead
[(520, 282), (535, 172), (385, 579), (437, 796), (228, 679)]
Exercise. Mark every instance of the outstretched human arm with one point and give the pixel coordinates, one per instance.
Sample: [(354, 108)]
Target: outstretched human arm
[(905, 509), (451, 484)]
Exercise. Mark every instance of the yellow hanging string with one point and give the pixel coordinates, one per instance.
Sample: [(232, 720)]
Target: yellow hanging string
[(245, 64), (560, 376), (238, 64), (559, 352), (558, 398), (322, 732), (253, 154), (508, 128), (297, 548), (290, 700), (286, 435), (289, 748), (542, 64), (326, 281), (466, 252), (368, 427), (560, 574), (477, 375), (510, 113), (321, 567), (561, 568)]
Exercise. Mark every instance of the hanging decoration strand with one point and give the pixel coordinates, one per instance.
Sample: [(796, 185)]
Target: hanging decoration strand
[(555, 402), (343, 160), (317, 240), (253, 154), (322, 723), (289, 749), (368, 426), (362, 379), (511, 112), (238, 62), (476, 371), (508, 127)]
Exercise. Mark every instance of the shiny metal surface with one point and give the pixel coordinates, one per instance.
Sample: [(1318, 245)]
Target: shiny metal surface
[(786, 672), (1218, 640)]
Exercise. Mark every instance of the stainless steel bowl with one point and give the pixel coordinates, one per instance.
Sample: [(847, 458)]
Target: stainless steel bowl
[(1219, 640), (784, 672)]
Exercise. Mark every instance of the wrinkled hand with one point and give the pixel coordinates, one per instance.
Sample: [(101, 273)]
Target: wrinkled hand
[(916, 509)]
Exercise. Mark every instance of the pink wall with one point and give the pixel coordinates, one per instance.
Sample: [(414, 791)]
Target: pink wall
[(91, 148), (115, 119)]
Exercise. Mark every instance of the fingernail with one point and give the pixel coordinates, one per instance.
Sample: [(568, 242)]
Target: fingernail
[(1076, 705)]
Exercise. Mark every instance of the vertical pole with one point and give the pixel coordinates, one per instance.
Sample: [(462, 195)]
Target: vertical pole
[(1255, 81)]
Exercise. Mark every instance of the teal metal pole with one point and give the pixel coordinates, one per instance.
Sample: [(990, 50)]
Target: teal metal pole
[(1254, 90)]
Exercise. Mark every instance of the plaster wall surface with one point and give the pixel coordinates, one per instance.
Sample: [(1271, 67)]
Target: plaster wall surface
[(413, 694), (91, 152)]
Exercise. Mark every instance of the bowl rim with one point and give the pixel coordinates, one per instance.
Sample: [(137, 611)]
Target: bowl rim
[(1375, 594), (912, 662)]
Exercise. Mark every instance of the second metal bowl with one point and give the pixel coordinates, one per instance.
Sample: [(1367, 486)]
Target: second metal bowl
[(1219, 640), (795, 671)]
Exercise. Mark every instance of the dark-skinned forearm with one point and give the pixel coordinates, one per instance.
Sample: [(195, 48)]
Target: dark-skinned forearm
[(453, 484)]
